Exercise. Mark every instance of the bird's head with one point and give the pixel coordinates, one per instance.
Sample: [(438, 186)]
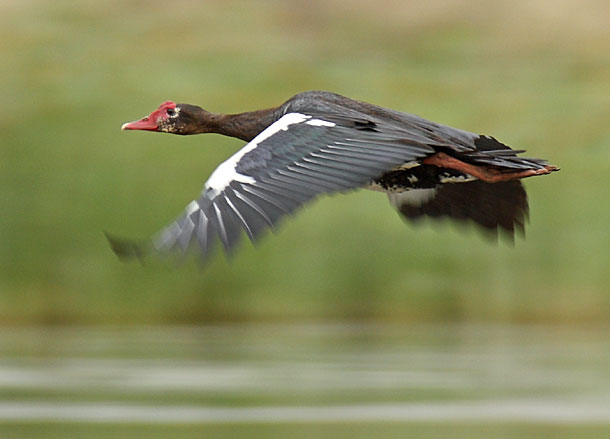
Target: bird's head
[(169, 118)]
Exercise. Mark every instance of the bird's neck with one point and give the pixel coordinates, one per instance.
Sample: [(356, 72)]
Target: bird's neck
[(244, 126)]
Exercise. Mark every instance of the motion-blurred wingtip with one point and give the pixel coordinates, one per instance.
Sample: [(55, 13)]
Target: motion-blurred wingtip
[(124, 249)]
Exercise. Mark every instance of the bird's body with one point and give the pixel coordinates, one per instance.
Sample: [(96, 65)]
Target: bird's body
[(320, 142)]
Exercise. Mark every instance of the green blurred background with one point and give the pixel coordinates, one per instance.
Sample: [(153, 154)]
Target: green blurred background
[(535, 74), (348, 311)]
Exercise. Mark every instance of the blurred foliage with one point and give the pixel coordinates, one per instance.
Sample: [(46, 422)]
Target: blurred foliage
[(534, 74), (331, 430)]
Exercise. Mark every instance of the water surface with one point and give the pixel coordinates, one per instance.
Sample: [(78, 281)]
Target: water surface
[(305, 375)]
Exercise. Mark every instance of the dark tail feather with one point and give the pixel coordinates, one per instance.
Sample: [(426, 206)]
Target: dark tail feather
[(492, 152), (493, 206)]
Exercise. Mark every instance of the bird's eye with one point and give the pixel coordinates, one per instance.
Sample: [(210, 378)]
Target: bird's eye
[(171, 112)]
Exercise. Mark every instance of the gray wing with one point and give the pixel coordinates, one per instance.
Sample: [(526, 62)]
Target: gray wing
[(468, 146), (288, 164)]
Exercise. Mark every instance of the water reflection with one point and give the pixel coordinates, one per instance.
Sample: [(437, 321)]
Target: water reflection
[(267, 373)]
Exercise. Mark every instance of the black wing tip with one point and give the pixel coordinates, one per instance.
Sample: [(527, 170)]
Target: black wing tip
[(489, 147), (489, 143), (124, 249), (492, 234)]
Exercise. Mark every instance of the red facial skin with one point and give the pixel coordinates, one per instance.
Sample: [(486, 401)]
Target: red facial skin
[(153, 120)]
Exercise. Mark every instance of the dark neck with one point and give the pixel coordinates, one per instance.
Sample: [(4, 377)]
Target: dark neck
[(244, 126)]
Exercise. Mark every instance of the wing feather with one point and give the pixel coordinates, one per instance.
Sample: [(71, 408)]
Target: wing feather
[(288, 164), (493, 206), (302, 156)]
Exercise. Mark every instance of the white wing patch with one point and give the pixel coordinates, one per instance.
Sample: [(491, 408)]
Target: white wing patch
[(413, 197), (226, 173), (320, 123)]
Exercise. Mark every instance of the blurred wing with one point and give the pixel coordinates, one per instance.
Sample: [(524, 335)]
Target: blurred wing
[(494, 206), (291, 162)]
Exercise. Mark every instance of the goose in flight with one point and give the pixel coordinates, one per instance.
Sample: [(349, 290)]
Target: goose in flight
[(320, 142)]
